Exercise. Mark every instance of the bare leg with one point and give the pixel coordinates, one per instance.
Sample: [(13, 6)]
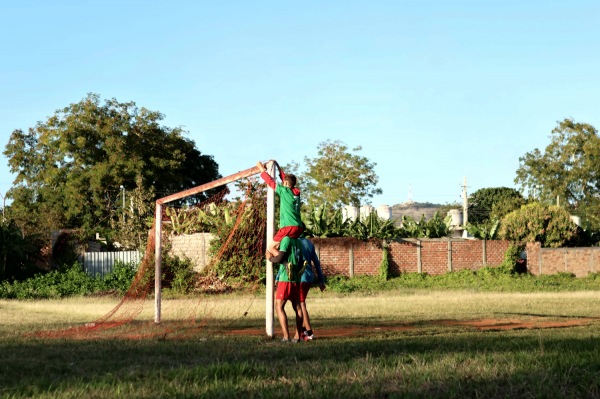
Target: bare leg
[(299, 319), (279, 306), (305, 316)]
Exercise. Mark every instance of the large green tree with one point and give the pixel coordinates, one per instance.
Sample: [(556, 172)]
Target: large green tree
[(568, 169), (493, 203), (339, 176), (70, 168)]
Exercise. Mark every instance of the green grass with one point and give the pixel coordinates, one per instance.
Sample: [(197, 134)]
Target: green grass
[(487, 279), (427, 360)]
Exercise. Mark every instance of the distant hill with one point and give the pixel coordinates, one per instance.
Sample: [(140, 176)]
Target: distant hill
[(415, 210)]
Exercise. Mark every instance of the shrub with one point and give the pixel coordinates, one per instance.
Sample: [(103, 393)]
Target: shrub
[(550, 225), (54, 284), (178, 274), (120, 278)]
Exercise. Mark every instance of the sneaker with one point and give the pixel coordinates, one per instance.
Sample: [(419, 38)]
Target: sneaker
[(306, 337), (295, 340), (285, 340)]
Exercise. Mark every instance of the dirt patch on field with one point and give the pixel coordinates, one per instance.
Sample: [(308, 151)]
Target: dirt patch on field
[(481, 325)]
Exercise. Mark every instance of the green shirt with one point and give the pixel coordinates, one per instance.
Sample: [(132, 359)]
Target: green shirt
[(289, 207), (289, 272)]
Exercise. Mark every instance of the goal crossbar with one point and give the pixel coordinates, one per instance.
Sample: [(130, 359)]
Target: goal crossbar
[(270, 166)]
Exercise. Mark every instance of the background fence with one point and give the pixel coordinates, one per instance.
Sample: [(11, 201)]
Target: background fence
[(99, 264)]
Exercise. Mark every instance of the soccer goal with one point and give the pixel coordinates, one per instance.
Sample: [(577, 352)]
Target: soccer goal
[(158, 236), (242, 241)]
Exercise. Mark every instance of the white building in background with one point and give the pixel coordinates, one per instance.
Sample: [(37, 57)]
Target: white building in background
[(365, 211), (350, 212), (456, 222), (354, 212), (384, 212)]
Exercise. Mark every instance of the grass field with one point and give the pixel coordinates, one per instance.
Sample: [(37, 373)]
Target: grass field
[(409, 343)]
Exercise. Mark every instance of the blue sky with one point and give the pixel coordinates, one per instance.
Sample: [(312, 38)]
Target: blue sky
[(433, 91)]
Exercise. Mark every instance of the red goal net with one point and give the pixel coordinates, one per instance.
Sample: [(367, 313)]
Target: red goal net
[(239, 226)]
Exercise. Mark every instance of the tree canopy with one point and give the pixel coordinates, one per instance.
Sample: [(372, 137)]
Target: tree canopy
[(493, 203), (568, 169), (339, 176), (71, 167)]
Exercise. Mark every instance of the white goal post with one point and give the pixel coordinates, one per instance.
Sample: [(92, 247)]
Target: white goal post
[(270, 166)]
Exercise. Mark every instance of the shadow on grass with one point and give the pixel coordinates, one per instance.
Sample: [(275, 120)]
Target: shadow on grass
[(435, 363)]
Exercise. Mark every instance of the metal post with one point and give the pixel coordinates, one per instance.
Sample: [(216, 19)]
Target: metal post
[(157, 261), (158, 220), (269, 310)]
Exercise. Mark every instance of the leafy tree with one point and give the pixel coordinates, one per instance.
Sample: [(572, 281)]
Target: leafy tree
[(16, 253), (493, 203), (131, 226), (338, 176), (549, 225), (569, 168), (69, 169)]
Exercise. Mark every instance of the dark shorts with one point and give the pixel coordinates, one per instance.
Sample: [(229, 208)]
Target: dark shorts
[(303, 291), (288, 231), (287, 291)]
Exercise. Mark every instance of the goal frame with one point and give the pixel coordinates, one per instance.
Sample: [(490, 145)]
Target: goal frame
[(270, 167)]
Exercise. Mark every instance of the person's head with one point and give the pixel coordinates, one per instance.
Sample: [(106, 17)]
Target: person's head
[(289, 181)]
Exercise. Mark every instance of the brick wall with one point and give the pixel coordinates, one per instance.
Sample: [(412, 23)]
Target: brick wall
[(348, 256), (404, 257), (579, 261)]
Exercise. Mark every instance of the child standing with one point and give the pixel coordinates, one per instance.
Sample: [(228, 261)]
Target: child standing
[(290, 223)]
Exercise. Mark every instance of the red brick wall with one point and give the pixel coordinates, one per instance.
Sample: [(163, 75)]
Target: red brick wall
[(434, 256), (367, 257), (335, 255), (467, 255), (495, 250), (579, 261), (403, 257)]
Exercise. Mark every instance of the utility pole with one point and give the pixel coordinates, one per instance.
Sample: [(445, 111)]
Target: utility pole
[(465, 203), (123, 189)]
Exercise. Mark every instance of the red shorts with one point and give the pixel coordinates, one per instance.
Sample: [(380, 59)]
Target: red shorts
[(288, 231), (303, 291), (287, 291)]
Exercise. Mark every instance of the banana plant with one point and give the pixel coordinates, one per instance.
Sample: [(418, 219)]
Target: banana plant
[(194, 220), (436, 227), (484, 231), (325, 221), (372, 226)]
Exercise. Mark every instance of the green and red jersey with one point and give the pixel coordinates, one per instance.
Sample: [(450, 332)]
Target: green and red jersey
[(289, 209), (290, 269)]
